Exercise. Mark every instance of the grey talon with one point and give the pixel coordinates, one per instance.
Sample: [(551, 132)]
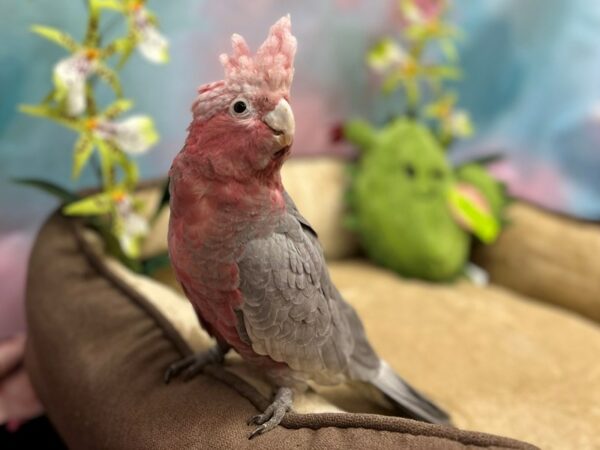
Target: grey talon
[(274, 413), (192, 365)]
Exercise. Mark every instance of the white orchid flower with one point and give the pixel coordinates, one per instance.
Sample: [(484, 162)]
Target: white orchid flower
[(152, 44), (460, 124), (131, 226), (412, 14), (70, 76), (134, 135), (386, 55)]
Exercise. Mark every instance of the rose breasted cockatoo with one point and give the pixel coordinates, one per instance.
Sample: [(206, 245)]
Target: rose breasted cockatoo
[(247, 260)]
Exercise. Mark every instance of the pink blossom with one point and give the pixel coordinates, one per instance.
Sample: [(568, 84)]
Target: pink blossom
[(430, 9), (417, 12), (533, 181)]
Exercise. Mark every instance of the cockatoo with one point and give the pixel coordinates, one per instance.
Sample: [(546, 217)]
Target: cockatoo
[(248, 261)]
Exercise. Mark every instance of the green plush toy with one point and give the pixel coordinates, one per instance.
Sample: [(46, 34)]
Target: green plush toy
[(413, 212)]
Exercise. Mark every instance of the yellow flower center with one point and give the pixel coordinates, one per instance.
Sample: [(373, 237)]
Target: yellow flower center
[(91, 123), (92, 53), (136, 5), (444, 110), (433, 26), (118, 196), (410, 68)]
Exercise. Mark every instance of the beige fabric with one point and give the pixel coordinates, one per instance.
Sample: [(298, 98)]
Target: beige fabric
[(97, 349), (548, 257), (497, 361), (318, 186)]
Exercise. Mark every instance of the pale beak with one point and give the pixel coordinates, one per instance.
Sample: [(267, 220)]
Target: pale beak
[(281, 121)]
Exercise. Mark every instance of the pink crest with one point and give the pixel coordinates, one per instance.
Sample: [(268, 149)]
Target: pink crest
[(271, 68)]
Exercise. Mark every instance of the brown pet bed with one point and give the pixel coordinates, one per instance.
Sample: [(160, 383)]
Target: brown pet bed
[(98, 347)]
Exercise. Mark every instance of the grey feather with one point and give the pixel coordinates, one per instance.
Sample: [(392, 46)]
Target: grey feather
[(410, 402), (293, 313)]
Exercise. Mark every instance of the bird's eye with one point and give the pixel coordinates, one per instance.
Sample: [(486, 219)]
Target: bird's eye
[(240, 108)]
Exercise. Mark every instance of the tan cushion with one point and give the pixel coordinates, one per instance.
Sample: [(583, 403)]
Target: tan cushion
[(318, 186), (98, 348), (498, 361), (548, 257)]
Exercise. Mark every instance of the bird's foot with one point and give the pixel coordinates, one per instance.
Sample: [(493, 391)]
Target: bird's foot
[(192, 365), (273, 414)]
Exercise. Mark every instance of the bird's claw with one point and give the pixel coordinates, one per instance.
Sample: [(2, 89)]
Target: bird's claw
[(274, 413), (176, 368), (260, 430), (192, 365), (259, 419)]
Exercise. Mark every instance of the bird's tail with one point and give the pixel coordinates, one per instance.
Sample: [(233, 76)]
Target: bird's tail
[(407, 400)]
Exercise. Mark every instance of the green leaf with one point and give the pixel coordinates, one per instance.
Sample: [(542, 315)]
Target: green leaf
[(106, 152), (484, 160), (125, 48), (57, 36), (152, 18), (117, 108), (110, 77), (50, 113), (90, 206), (108, 4), (116, 46), (92, 35), (391, 82), (449, 50), (130, 169), (445, 72), (81, 153), (413, 93), (48, 187), (474, 216), (415, 32), (155, 263), (92, 107)]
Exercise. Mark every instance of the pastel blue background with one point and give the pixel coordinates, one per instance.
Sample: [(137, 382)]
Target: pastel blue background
[(532, 84)]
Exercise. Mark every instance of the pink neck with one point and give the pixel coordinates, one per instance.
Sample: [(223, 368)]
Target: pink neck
[(216, 218)]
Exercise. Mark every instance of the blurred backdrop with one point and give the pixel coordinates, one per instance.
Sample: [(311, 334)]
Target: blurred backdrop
[(531, 82)]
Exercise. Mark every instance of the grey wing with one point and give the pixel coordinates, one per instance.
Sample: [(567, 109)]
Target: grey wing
[(293, 313), (298, 316)]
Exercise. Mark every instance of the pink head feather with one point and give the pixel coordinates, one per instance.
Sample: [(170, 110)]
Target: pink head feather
[(270, 69)]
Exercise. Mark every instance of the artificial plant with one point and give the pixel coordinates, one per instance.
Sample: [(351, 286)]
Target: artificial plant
[(104, 140), (419, 62), (413, 211)]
